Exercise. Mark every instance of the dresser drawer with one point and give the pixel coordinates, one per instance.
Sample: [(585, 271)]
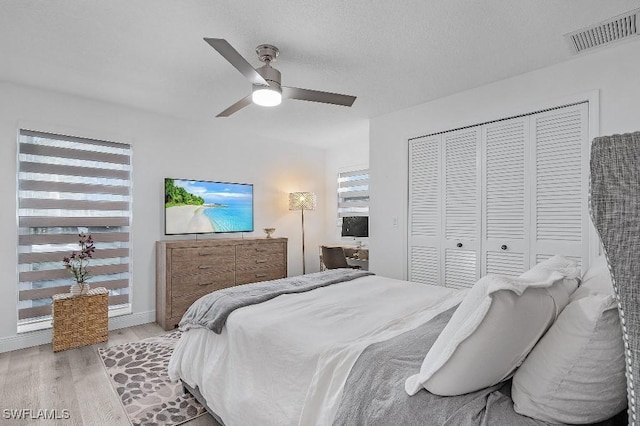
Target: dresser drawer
[(180, 304), (250, 250), (200, 265), (191, 253), (254, 276), (190, 284), (264, 261)]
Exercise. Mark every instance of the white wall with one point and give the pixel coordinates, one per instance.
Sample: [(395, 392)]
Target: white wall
[(612, 71), (162, 147), (351, 152)]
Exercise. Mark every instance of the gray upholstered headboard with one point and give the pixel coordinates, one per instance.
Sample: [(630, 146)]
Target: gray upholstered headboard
[(615, 210)]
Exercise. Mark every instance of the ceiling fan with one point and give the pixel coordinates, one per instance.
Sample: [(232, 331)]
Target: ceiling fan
[(267, 90)]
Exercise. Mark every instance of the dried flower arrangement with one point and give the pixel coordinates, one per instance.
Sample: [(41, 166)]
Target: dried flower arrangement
[(77, 263)]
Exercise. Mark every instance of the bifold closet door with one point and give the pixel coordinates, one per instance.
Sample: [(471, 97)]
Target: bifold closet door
[(460, 259), (444, 208), (425, 223), (560, 152), (505, 197)]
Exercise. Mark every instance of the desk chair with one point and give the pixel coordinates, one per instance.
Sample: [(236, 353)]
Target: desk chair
[(334, 257)]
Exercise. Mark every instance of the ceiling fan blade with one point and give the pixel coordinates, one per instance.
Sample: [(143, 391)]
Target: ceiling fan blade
[(230, 54), (317, 96), (236, 107)]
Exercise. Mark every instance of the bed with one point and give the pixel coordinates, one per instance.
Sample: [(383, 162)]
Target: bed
[(349, 347), (273, 358)]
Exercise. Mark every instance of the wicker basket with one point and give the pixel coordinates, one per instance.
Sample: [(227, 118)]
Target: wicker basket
[(80, 320)]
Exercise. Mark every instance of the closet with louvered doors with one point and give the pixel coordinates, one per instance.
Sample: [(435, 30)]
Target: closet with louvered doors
[(499, 197)]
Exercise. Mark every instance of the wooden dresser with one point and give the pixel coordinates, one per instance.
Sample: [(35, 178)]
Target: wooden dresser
[(189, 269)]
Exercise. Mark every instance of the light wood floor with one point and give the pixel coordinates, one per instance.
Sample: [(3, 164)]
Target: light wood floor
[(36, 378)]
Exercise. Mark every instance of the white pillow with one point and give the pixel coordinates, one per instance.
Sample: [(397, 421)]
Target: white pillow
[(575, 374), (597, 280), (491, 332)]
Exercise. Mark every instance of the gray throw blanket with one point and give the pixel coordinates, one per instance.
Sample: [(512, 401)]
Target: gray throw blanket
[(211, 311), (374, 392)]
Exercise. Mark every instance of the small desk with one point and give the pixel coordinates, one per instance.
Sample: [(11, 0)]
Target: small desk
[(356, 255)]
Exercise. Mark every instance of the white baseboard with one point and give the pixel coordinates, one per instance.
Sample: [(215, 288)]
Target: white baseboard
[(25, 340), (130, 320), (43, 337)]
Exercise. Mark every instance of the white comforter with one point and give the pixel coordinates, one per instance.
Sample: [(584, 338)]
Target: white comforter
[(285, 361)]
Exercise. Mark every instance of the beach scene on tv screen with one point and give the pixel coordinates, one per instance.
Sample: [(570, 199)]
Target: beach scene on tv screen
[(195, 207)]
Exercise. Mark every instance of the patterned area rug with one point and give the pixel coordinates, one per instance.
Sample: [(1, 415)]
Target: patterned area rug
[(138, 373)]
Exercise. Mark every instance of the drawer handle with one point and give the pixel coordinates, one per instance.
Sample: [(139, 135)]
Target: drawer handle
[(205, 254), (203, 284), (261, 249), (503, 247), (261, 275), (205, 267), (261, 261), (459, 245)]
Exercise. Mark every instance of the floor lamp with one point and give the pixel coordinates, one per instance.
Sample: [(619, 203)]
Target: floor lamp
[(302, 201)]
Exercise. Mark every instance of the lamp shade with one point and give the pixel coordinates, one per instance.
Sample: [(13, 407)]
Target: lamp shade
[(302, 201)]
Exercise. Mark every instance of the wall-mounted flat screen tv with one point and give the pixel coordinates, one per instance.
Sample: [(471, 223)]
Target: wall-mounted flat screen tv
[(200, 207), (355, 226)]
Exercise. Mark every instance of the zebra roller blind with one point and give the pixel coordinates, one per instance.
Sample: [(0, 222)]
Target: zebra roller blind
[(353, 193), (69, 185)]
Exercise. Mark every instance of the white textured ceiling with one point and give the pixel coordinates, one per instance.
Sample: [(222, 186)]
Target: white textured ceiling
[(149, 54)]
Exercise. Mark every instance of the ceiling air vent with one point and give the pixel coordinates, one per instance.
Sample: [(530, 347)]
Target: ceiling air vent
[(613, 29)]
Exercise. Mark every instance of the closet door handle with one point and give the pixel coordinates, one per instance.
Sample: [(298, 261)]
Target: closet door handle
[(459, 245), (503, 247)]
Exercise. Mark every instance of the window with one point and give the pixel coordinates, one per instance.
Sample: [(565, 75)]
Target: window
[(69, 185), (353, 193)]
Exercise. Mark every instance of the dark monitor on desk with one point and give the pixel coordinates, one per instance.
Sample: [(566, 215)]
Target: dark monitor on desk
[(355, 226)]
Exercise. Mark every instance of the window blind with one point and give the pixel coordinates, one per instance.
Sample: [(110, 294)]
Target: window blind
[(353, 193), (68, 185)]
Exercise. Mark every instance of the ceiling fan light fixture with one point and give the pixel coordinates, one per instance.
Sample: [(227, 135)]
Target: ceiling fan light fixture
[(266, 96), (267, 90)]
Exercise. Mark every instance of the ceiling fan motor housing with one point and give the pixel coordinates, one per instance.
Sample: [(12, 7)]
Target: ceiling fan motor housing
[(272, 76)]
